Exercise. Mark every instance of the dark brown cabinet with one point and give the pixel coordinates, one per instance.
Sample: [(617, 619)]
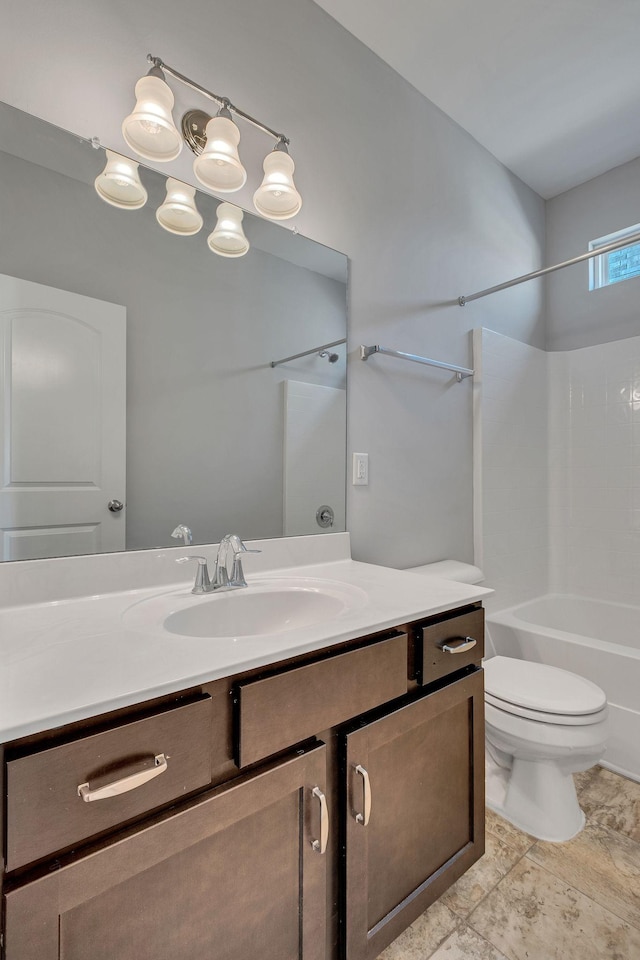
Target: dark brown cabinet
[(308, 810), (44, 812), (414, 810), (235, 872), (317, 696)]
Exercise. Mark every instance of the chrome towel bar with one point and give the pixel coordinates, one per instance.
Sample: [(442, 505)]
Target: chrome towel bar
[(461, 372)]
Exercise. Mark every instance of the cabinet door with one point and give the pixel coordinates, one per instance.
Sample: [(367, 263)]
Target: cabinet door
[(414, 811), (233, 875)]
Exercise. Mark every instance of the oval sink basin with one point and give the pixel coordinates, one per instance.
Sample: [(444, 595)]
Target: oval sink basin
[(262, 608), (243, 613)]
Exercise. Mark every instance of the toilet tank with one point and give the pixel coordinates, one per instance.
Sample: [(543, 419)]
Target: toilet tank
[(451, 570)]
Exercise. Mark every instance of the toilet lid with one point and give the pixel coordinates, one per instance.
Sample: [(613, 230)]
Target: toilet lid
[(557, 719), (541, 688)]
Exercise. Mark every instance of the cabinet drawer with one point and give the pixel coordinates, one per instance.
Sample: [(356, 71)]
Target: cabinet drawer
[(435, 662), (283, 709), (45, 811)]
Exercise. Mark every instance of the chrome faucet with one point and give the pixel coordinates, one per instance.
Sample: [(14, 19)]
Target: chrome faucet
[(232, 545), (183, 533)]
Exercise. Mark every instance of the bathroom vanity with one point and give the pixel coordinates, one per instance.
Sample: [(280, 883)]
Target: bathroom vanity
[(310, 802)]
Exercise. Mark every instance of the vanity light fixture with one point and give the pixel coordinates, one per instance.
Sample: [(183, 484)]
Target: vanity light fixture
[(119, 183), (149, 129), (277, 197), (218, 166), (179, 214), (151, 132), (227, 238)]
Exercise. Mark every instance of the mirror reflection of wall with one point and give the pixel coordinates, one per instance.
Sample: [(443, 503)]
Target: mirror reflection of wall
[(205, 431)]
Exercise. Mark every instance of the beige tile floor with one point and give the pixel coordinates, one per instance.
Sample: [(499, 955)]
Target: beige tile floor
[(531, 900)]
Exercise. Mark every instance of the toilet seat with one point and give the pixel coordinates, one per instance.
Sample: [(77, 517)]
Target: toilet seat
[(561, 719), (542, 693)]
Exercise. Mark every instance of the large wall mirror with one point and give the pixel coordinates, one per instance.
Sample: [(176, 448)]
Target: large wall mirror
[(137, 366)]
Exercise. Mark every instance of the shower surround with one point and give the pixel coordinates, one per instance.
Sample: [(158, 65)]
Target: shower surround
[(594, 470), (557, 469), (511, 495)]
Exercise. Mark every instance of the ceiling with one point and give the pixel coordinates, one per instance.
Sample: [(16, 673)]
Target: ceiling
[(550, 87)]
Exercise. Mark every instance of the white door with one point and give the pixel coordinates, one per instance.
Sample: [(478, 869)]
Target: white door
[(62, 416)]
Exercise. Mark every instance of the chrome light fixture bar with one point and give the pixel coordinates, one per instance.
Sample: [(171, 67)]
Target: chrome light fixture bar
[(151, 132), (221, 101)]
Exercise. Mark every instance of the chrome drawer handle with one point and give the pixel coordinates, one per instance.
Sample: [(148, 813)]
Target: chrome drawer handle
[(124, 785), (363, 818), (459, 645), (321, 845)]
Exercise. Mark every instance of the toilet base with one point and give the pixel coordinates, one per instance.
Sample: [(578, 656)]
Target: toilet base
[(536, 797)]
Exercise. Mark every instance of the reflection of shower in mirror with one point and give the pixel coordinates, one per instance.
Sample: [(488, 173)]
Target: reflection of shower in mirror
[(322, 350)]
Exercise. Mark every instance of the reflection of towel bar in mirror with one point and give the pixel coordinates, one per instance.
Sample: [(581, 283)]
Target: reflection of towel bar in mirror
[(306, 353), (461, 372)]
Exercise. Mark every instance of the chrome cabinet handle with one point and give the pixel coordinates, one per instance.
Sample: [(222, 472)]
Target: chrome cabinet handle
[(124, 785), (459, 645), (321, 845), (363, 818)]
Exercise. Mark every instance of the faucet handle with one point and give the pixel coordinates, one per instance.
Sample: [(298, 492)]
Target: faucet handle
[(242, 549), (237, 573), (202, 583)]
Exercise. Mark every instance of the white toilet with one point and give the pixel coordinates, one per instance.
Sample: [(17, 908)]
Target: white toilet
[(542, 725)]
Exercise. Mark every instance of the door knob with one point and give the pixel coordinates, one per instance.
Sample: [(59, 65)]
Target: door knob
[(115, 506)]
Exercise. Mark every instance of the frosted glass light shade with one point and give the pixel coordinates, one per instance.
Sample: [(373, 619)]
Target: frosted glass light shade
[(119, 183), (227, 238), (277, 197), (150, 129), (179, 214), (218, 166)]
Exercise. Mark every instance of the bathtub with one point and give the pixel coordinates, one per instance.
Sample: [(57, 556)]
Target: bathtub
[(594, 638)]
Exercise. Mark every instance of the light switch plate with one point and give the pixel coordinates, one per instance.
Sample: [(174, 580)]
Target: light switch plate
[(360, 469)]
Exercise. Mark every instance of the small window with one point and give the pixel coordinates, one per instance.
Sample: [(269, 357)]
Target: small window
[(622, 264)]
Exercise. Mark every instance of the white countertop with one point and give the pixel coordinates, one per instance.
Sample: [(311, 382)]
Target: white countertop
[(66, 660)]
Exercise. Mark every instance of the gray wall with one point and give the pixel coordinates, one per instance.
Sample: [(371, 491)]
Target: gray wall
[(204, 406), (577, 317), (424, 213)]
